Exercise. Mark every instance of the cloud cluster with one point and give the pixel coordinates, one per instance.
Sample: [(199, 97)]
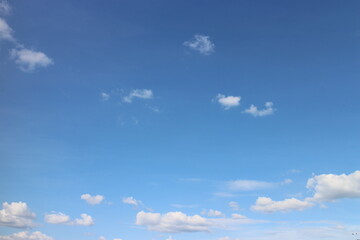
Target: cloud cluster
[(17, 215), (26, 236), (61, 218), (267, 205), (268, 110), (92, 200), (138, 93), (201, 44)]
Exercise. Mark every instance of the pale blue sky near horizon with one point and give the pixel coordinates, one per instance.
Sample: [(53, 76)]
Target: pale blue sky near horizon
[(125, 105)]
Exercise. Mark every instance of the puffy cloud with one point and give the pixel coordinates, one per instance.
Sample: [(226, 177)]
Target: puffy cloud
[(268, 110), (57, 218), (267, 205), (201, 43), (5, 31), (248, 185), (16, 214), (26, 236), (132, 201), (28, 60), (92, 200), (330, 187), (85, 220), (138, 93), (213, 213), (172, 222), (234, 206), (5, 8), (228, 101)]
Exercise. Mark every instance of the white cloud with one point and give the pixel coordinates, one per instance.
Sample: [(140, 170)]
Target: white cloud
[(268, 110), (92, 200), (172, 222), (132, 201), (102, 238), (228, 238), (234, 206), (237, 216), (28, 60), (170, 238), (5, 8), (26, 236), (57, 218), (17, 215), (5, 31), (85, 220), (330, 187), (213, 213), (139, 93), (201, 43), (248, 185), (267, 205), (117, 239), (104, 96), (228, 101)]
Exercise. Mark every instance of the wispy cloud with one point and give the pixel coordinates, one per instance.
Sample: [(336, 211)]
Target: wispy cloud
[(268, 110), (248, 185), (234, 206), (6, 33), (201, 44), (138, 93), (28, 60), (5, 8), (104, 96), (228, 101), (212, 213)]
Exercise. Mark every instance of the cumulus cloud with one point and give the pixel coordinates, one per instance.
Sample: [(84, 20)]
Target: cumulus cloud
[(201, 44), (138, 93), (17, 215), (5, 8), (28, 60), (228, 101), (213, 213), (26, 236), (85, 220), (248, 185), (57, 218), (5, 31), (132, 201), (234, 206), (267, 205), (268, 110), (330, 187), (92, 200), (172, 222)]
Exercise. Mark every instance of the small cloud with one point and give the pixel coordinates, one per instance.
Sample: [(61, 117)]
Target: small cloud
[(248, 185), (85, 220), (183, 206), (237, 216), (234, 206), (138, 93), (268, 110), (5, 8), (228, 101), (132, 201), (104, 96), (28, 60), (213, 213), (26, 236), (102, 238), (267, 205), (92, 200), (224, 194), (5, 31), (286, 182), (201, 44), (61, 218), (16, 215)]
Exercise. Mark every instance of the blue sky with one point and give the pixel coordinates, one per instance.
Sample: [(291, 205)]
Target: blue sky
[(177, 120)]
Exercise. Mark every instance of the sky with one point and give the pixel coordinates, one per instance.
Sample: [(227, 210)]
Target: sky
[(178, 120)]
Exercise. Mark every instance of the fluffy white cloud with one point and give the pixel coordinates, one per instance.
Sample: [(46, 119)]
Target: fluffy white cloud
[(201, 43), (5, 8), (248, 185), (26, 236), (16, 214), (28, 60), (267, 205), (5, 31), (268, 110), (234, 206), (330, 187), (92, 200), (57, 218), (172, 222), (138, 93), (132, 201), (228, 101), (213, 213), (85, 220)]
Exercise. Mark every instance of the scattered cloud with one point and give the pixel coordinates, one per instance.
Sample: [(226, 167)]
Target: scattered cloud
[(170, 238), (102, 238), (5, 31), (228, 238), (330, 187), (172, 222), (213, 213), (132, 201), (5, 8), (238, 216), (138, 93), (175, 205), (267, 205), (17, 215), (248, 185), (61, 218), (92, 200), (104, 96), (234, 206), (201, 44), (26, 236), (228, 101), (28, 60), (268, 110)]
